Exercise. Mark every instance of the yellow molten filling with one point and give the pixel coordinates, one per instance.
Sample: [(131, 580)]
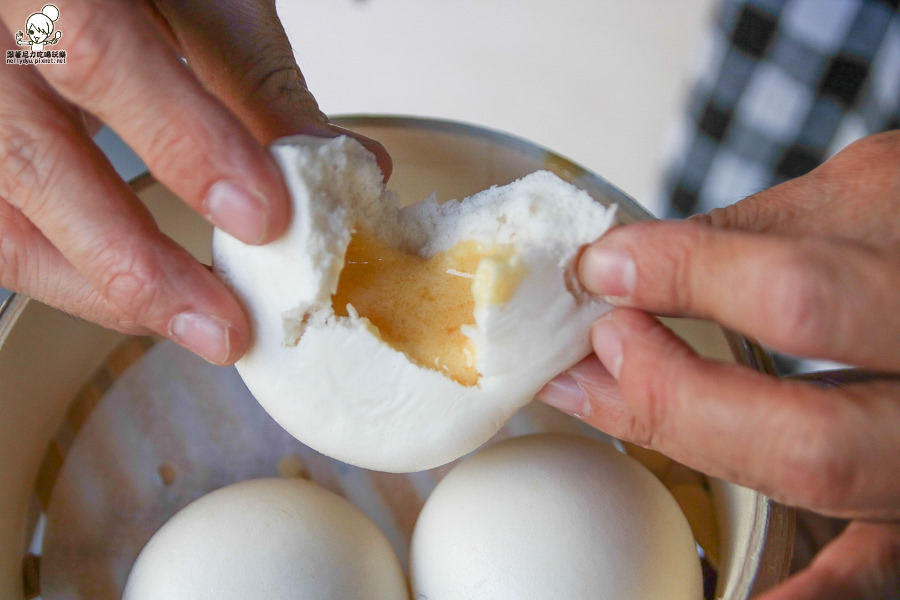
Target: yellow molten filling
[(419, 305)]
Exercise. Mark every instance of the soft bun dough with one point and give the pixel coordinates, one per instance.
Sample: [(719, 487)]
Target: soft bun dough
[(278, 539), (337, 380), (553, 516)]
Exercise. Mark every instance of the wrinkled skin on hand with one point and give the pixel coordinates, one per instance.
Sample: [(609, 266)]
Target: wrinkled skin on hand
[(810, 267), (72, 233)]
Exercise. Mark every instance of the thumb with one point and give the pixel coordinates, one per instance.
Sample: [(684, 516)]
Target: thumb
[(240, 52)]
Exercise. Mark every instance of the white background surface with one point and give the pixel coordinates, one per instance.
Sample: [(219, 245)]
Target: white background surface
[(598, 81)]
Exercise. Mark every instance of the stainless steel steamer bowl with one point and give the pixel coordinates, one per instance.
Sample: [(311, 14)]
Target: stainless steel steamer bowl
[(46, 356)]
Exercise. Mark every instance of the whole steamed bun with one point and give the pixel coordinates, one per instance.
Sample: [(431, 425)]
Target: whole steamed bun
[(400, 338), (553, 516), (278, 539)]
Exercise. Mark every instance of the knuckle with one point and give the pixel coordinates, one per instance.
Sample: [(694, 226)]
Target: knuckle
[(32, 154), (799, 303), (171, 136), (128, 279), (667, 280), (657, 372), (866, 154), (96, 51), (283, 80), (819, 471), (175, 137), (97, 308), (682, 289), (680, 266), (277, 72), (637, 431), (88, 47), (274, 77), (19, 155), (654, 394)]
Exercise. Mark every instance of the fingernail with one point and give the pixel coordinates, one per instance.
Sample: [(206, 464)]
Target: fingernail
[(385, 163), (564, 394), (202, 334), (607, 341), (322, 129), (238, 211), (607, 272)]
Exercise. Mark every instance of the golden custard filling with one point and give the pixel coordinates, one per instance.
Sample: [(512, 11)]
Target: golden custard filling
[(421, 305)]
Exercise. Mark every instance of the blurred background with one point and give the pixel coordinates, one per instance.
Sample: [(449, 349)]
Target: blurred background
[(598, 81)]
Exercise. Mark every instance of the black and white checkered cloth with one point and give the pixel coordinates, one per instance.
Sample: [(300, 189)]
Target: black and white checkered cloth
[(783, 84)]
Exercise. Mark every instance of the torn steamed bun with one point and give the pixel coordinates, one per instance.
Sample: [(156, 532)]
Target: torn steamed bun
[(400, 338)]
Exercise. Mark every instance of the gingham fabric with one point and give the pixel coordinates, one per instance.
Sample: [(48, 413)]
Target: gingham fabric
[(782, 85)]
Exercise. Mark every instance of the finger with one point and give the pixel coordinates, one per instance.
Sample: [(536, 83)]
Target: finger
[(31, 265), (60, 181), (116, 62), (240, 51), (820, 298), (853, 196), (863, 562), (577, 391), (802, 445)]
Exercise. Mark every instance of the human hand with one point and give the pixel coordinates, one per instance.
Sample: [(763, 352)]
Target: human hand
[(810, 267), (73, 234)]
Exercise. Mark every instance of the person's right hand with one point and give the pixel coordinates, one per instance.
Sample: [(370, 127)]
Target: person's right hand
[(72, 233), (811, 268)]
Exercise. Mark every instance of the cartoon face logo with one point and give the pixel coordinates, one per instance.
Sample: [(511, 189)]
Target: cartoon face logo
[(39, 28)]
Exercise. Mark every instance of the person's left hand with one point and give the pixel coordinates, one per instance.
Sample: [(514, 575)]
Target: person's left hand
[(196, 88)]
